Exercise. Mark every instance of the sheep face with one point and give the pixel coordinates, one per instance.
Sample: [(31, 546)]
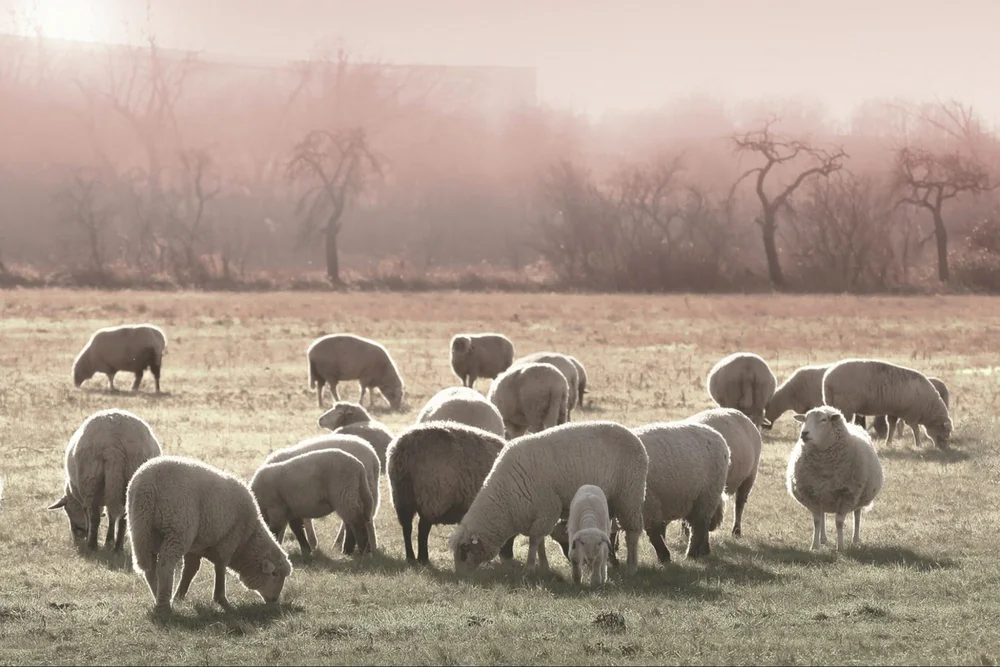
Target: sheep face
[(332, 419), (395, 396), (461, 346), (819, 425), (343, 413), (470, 551), (268, 579), (940, 433), (82, 370), (590, 547), (79, 522)]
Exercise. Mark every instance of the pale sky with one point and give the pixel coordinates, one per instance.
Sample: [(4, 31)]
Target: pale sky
[(598, 56)]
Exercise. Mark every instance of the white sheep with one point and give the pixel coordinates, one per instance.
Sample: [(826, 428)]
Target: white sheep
[(101, 457), (346, 418), (566, 366), (339, 357), (887, 426), (745, 444), (533, 482), (311, 486), (800, 392), (833, 469), (435, 470), (588, 527), (182, 508), (484, 355), (131, 348), (688, 465), (530, 397), (353, 445), (874, 387), (465, 406), (742, 381)]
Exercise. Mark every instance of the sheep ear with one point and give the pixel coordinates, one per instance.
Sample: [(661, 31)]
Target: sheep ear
[(267, 567), (799, 418), (836, 417), (607, 541), (59, 503), (766, 423)]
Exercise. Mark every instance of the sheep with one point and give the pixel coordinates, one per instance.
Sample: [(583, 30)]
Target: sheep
[(565, 366), (352, 444), (581, 374), (588, 527), (312, 485), (833, 468), (346, 418), (801, 392), (742, 381), (885, 427), (531, 397), (101, 457), (874, 387), (688, 465), (744, 443), (131, 348), (475, 356), (435, 469), (182, 508), (532, 484), (340, 357), (465, 406)]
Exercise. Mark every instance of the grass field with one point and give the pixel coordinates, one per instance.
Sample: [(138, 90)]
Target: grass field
[(923, 587)]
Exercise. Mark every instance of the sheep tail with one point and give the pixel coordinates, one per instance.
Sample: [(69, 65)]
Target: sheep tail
[(368, 507), (746, 391), (556, 412), (313, 374)]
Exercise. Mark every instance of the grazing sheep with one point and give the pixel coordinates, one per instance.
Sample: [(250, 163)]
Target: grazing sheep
[(800, 392), (742, 381), (581, 374), (131, 348), (874, 387), (885, 427), (744, 443), (588, 527), (352, 444), (531, 397), (435, 469), (346, 418), (565, 366), (102, 455), (311, 486), (465, 406), (340, 357), (833, 468), (475, 356), (533, 482), (182, 508), (688, 465)]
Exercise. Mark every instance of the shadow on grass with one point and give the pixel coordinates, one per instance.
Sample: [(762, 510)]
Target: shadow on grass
[(241, 619), (128, 393), (116, 561), (930, 454), (379, 562), (879, 556)]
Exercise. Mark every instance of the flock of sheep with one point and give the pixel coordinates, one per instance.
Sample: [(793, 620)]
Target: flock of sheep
[(507, 464)]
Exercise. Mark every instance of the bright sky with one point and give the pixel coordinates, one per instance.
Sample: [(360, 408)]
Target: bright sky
[(624, 54)]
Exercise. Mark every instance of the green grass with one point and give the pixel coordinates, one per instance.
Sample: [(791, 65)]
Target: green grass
[(921, 589)]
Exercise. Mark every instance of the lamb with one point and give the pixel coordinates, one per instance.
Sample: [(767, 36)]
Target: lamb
[(312, 485), (181, 508), (101, 457), (532, 484), (465, 406), (348, 357), (874, 387), (581, 374), (565, 366), (885, 427), (346, 418), (131, 348), (688, 466), (745, 444), (742, 381), (588, 527), (475, 356), (352, 444), (435, 469), (530, 397), (833, 468)]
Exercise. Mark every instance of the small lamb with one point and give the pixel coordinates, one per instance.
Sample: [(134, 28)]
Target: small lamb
[(588, 528)]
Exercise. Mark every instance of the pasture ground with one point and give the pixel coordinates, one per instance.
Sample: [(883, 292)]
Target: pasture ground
[(921, 589)]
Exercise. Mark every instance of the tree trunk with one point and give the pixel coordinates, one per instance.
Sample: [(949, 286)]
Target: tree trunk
[(771, 250), (332, 254), (941, 234)]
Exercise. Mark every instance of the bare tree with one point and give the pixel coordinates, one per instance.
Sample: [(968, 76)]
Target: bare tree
[(336, 166), (777, 152), (82, 209), (186, 214)]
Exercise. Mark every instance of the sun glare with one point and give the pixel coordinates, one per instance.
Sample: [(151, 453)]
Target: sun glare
[(68, 19)]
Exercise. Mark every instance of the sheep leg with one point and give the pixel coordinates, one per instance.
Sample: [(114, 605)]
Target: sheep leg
[(892, 429), (219, 595), (662, 552), (307, 524), (819, 520), (164, 582), (319, 391), (423, 532), (192, 564), (840, 531), (351, 538), (154, 368), (915, 427), (543, 559), (577, 574), (300, 534), (120, 539), (857, 527), (698, 544), (507, 550), (95, 523), (138, 380), (822, 528), (533, 545), (150, 575), (405, 516), (742, 494), (109, 537), (632, 543)]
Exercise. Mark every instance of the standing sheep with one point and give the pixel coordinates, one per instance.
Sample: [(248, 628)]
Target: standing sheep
[(346, 418), (311, 486), (102, 455), (688, 465), (435, 470), (745, 444), (886, 427), (742, 381), (833, 468), (465, 406), (530, 397), (532, 484), (475, 356), (340, 357), (874, 387), (131, 348), (182, 508), (565, 366), (588, 527)]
